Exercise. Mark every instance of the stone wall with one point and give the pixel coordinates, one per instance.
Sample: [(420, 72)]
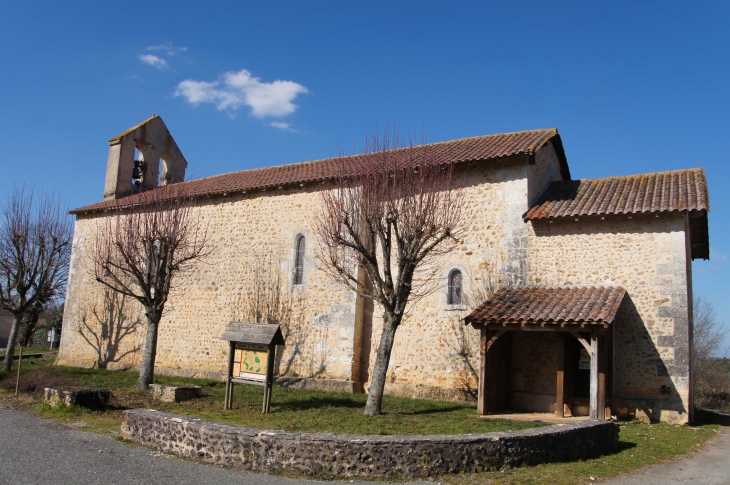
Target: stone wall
[(540, 174), (435, 355), (645, 254), (245, 230), (532, 372), (324, 454)]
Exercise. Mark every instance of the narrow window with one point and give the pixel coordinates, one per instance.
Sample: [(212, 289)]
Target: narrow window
[(454, 296), (299, 261)]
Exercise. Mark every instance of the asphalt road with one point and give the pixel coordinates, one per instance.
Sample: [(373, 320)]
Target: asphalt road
[(709, 466), (39, 452)]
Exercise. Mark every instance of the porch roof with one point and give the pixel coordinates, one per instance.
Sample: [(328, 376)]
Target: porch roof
[(553, 305)]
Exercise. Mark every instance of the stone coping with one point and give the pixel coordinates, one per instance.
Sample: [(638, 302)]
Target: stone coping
[(93, 398), (371, 456), (159, 392)]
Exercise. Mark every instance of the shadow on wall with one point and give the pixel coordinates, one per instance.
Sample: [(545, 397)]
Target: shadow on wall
[(643, 386), (266, 297), (462, 344), (106, 328), (462, 341)]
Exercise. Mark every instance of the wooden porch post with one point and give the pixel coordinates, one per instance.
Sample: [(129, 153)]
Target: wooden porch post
[(569, 374), (602, 377), (228, 402), (482, 396), (594, 375), (560, 394), (488, 338)]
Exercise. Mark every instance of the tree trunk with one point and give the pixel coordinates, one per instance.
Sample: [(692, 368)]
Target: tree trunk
[(382, 360), (147, 367), (10, 349)]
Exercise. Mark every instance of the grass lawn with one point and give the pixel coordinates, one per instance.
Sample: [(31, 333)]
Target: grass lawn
[(640, 444), (291, 409)]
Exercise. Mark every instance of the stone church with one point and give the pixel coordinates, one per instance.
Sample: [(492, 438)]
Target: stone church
[(566, 296)]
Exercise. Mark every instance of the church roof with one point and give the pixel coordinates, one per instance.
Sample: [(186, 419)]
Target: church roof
[(466, 149), (537, 304), (677, 190)]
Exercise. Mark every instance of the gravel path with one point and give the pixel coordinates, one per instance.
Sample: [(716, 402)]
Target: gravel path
[(40, 451)]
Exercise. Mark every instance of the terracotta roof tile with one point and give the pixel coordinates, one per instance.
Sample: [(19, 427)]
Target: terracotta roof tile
[(466, 149), (535, 305), (652, 192)]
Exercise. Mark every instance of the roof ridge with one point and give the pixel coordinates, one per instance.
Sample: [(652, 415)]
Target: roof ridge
[(130, 130), (644, 174), (356, 155)]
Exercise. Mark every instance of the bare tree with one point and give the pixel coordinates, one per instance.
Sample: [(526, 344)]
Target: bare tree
[(29, 324), (388, 222), (35, 246), (141, 250), (710, 375)]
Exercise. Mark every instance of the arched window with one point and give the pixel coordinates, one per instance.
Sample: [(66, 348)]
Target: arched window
[(455, 288), (299, 261)]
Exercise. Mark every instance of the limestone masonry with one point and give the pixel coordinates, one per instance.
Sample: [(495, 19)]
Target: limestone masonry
[(525, 231)]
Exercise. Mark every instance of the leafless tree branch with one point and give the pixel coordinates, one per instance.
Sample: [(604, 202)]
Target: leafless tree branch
[(392, 218), (712, 386), (35, 247)]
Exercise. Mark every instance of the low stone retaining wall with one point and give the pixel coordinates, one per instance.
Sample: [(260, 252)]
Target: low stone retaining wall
[(90, 398), (365, 456), (25, 356), (174, 394)]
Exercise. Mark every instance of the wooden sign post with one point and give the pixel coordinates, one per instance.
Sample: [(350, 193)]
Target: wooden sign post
[(251, 357)]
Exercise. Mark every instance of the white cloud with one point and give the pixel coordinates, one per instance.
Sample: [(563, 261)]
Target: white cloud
[(154, 61), (282, 126), (719, 256), (169, 48), (235, 89)]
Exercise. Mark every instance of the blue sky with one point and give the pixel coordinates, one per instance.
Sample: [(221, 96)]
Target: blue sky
[(632, 87)]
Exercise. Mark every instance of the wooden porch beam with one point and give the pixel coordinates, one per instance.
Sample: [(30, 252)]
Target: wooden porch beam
[(548, 327), (494, 339), (583, 341)]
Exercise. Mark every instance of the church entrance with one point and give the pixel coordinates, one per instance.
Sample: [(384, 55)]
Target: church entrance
[(545, 371), (547, 350)]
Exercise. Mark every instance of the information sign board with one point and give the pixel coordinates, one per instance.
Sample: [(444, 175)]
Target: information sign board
[(250, 362)]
